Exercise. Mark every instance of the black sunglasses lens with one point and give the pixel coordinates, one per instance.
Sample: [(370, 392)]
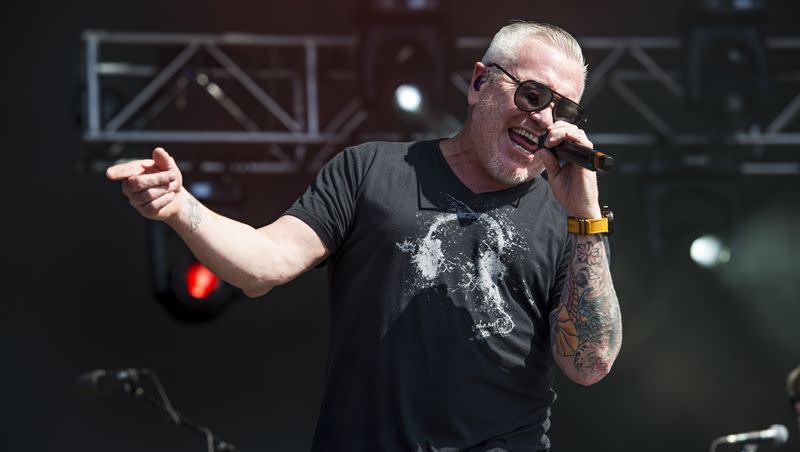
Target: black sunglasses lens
[(568, 111), (531, 96)]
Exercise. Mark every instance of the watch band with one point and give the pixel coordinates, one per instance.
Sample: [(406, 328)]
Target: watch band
[(604, 225), (582, 226)]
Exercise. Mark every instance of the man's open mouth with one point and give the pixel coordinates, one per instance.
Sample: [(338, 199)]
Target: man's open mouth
[(524, 139)]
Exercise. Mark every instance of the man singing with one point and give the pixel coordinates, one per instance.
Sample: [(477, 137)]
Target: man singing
[(458, 275)]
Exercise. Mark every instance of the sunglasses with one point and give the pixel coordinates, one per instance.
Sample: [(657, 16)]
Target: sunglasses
[(533, 96)]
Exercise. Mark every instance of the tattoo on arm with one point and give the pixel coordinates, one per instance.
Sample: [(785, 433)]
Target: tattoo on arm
[(586, 324), (195, 214)]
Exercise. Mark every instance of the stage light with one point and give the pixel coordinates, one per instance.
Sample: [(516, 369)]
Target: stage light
[(216, 189), (709, 251), (188, 290), (200, 281), (403, 66), (201, 190), (408, 98), (683, 208)]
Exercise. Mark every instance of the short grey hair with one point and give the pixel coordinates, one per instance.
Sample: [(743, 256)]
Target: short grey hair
[(505, 45)]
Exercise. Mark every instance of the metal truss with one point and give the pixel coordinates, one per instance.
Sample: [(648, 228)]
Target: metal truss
[(627, 68), (131, 123)]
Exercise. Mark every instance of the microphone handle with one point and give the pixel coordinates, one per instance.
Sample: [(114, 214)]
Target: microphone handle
[(580, 155), (583, 156)]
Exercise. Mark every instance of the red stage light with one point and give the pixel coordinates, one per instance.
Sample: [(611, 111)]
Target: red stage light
[(200, 282)]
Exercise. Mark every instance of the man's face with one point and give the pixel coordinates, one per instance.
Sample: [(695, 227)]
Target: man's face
[(499, 125)]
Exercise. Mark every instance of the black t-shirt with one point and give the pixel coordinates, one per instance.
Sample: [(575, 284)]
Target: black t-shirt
[(440, 302)]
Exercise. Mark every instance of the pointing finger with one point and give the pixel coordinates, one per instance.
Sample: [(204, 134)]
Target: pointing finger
[(125, 170)]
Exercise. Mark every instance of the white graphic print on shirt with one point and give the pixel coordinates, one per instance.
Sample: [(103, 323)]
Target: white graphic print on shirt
[(436, 254)]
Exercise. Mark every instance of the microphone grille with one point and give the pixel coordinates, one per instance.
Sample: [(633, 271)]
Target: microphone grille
[(781, 433)]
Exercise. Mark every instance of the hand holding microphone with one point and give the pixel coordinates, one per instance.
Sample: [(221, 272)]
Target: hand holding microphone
[(573, 186), (580, 155)]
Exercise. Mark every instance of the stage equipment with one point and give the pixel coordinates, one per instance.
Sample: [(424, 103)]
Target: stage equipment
[(408, 98), (635, 94), (105, 381), (130, 381), (776, 433), (709, 251), (681, 209), (402, 50), (727, 75), (188, 290)]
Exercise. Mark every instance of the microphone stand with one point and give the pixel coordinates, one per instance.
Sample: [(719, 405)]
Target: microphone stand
[(163, 404)]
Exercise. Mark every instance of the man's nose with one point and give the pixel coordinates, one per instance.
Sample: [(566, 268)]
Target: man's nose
[(544, 117)]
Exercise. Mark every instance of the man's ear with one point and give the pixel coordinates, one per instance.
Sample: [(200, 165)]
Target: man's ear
[(478, 83), (479, 77)]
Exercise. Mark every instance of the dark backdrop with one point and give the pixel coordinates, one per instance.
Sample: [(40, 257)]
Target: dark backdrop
[(705, 352)]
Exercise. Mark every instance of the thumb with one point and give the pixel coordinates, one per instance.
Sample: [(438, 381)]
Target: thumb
[(162, 160), (550, 163)]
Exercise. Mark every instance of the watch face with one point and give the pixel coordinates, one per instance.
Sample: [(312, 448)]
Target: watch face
[(606, 211)]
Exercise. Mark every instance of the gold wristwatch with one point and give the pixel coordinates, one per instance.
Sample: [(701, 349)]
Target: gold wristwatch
[(582, 226)]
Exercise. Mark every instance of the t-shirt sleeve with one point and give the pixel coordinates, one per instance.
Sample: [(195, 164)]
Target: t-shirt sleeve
[(328, 205)]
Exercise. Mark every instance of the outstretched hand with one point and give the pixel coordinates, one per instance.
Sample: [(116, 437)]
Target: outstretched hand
[(151, 185), (574, 187)]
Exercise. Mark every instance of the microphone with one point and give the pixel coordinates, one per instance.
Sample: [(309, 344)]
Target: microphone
[(580, 155), (776, 433), (106, 380), (793, 390)]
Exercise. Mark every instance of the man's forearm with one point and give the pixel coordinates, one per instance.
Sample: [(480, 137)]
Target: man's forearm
[(234, 251), (586, 326)]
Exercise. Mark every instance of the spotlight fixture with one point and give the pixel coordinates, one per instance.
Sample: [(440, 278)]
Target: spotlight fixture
[(188, 290), (709, 251), (408, 98), (403, 64), (200, 281)]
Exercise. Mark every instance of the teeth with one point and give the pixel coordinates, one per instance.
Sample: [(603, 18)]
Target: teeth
[(522, 149), (525, 134)]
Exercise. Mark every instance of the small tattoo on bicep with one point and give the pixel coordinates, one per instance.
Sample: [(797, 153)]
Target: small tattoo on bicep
[(195, 214)]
